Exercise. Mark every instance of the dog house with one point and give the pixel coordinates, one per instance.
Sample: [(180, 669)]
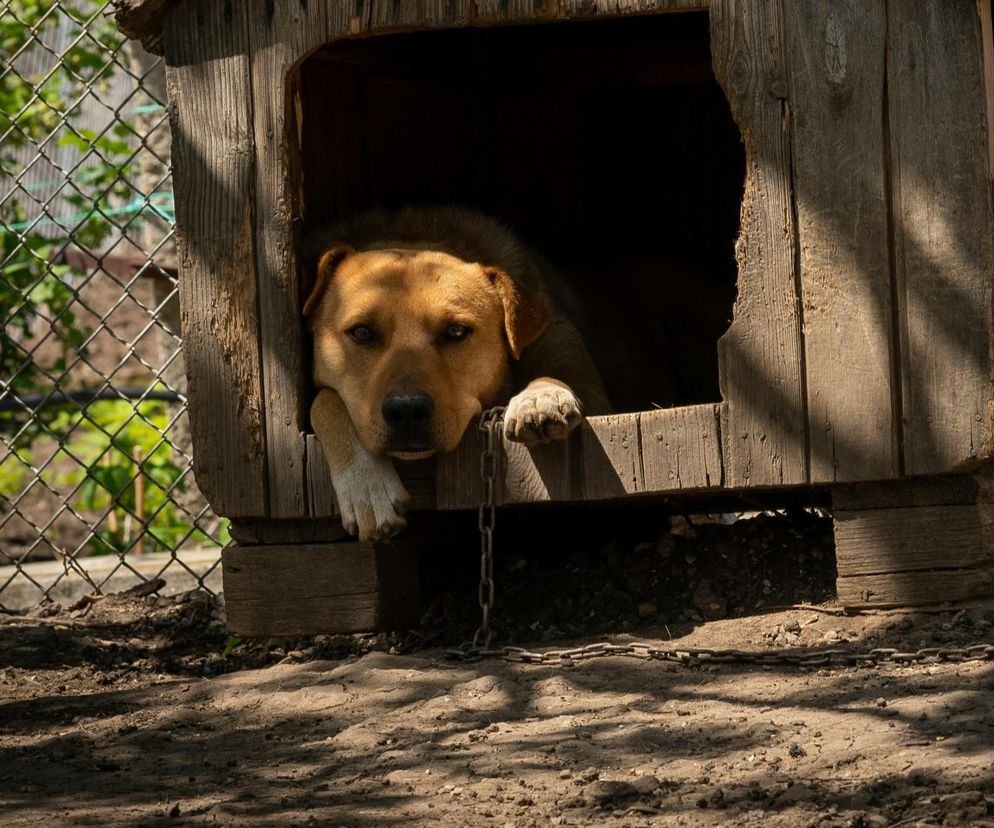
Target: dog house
[(829, 162)]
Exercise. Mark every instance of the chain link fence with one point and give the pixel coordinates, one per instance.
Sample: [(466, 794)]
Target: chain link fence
[(96, 480)]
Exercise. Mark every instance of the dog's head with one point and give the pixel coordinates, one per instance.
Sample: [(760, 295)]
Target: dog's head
[(416, 342)]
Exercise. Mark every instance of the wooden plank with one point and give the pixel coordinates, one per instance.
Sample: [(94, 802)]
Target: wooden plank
[(761, 356), (279, 34), (985, 12), (836, 53), (943, 231), (286, 591), (210, 109), (320, 492), (369, 15), (875, 541), (913, 589), (547, 472), (266, 531), (958, 490), (681, 448), (612, 457), (457, 474)]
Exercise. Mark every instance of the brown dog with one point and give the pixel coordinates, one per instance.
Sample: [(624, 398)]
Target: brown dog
[(421, 320)]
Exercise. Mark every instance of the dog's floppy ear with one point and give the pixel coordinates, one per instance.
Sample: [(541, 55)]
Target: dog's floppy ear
[(525, 317), (327, 265)]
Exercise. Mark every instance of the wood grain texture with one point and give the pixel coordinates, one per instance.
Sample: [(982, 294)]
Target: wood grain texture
[(320, 492), (943, 231), (985, 13), (369, 15), (681, 448), (836, 59), (210, 112), (549, 472), (956, 490), (612, 457), (761, 355), (913, 589), (279, 34), (667, 450), (876, 541), (286, 591)]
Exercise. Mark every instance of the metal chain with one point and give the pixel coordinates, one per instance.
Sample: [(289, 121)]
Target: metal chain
[(489, 434), (480, 647)]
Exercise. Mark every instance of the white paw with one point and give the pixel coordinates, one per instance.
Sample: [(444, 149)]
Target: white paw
[(371, 498), (544, 411)]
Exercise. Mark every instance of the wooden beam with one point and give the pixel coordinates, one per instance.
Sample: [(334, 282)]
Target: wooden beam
[(984, 12), (210, 109), (836, 55), (761, 355), (943, 227), (288, 591), (279, 34), (666, 450), (914, 589)]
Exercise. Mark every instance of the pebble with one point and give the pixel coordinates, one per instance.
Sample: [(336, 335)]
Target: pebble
[(604, 791), (645, 784), (881, 702)]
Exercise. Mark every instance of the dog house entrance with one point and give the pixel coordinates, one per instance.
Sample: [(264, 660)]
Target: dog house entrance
[(607, 145)]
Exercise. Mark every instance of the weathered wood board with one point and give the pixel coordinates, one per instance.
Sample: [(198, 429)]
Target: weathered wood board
[(667, 450), (910, 542), (761, 355), (286, 591), (943, 243), (913, 589), (210, 110), (278, 35), (836, 61)]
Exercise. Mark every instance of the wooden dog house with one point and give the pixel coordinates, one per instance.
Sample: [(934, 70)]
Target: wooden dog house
[(859, 354)]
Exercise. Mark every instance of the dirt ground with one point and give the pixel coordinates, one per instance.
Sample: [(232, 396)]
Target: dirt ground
[(129, 712)]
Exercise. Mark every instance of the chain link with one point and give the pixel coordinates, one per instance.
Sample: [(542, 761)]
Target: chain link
[(692, 656), (480, 647), (489, 434)]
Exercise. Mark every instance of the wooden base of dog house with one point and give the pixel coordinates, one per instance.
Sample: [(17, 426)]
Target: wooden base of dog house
[(909, 543), (901, 543), (283, 591)]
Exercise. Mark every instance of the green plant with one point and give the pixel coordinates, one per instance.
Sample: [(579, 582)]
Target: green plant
[(125, 467), (33, 110)]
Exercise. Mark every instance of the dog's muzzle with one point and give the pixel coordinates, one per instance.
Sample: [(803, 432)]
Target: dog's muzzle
[(408, 419)]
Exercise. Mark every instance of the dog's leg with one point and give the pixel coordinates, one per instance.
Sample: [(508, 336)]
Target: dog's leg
[(371, 497), (563, 386)]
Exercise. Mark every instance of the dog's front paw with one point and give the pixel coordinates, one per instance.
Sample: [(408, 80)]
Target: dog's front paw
[(371, 498), (545, 410)]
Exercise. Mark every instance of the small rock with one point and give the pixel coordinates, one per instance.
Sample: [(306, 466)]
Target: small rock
[(795, 751), (604, 791), (795, 793), (881, 702), (645, 784)]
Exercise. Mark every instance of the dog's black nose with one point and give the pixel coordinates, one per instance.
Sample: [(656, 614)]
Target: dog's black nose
[(407, 417)]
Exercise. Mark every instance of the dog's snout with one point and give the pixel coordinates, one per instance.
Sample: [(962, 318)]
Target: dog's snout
[(408, 417)]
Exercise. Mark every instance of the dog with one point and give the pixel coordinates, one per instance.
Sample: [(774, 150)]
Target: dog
[(422, 319)]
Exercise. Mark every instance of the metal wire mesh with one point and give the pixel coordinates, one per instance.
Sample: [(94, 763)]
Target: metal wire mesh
[(96, 481)]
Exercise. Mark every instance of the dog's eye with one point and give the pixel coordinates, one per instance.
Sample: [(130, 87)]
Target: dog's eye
[(456, 331), (361, 334)]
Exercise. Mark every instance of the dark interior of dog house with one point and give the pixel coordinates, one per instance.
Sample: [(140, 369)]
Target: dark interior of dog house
[(607, 145)]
